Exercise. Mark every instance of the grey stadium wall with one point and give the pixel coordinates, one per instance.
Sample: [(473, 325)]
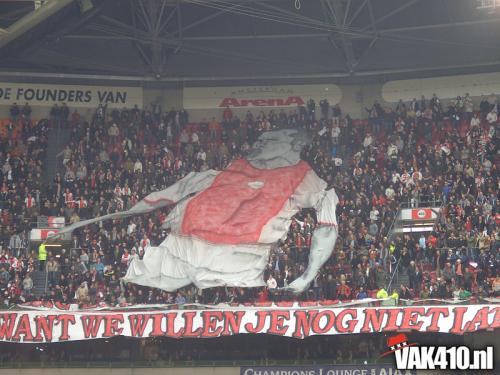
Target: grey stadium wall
[(353, 99)]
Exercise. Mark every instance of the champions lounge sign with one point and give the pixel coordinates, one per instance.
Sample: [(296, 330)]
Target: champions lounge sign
[(259, 96), (73, 96), (301, 322)]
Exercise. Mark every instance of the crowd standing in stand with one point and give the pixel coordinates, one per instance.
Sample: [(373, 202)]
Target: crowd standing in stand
[(416, 153)]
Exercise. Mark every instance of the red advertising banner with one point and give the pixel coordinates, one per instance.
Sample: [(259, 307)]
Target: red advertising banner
[(421, 214), (57, 326)]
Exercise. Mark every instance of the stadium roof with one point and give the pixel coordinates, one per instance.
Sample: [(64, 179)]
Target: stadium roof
[(221, 40)]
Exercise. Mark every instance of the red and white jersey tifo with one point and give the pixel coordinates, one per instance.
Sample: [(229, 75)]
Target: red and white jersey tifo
[(246, 205), (224, 223)]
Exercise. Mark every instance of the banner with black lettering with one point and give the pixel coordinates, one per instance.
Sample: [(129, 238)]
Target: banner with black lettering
[(299, 322), (73, 96)]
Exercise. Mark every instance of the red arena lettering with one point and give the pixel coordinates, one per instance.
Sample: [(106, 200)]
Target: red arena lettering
[(273, 102)]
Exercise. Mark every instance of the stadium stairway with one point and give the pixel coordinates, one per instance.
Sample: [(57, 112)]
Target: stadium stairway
[(401, 278), (39, 280), (57, 139), (399, 275)]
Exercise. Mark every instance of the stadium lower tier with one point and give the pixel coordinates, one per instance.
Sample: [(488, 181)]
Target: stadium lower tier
[(241, 350)]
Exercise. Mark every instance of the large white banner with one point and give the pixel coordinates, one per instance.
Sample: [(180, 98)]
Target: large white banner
[(73, 96), (298, 322), (259, 96)]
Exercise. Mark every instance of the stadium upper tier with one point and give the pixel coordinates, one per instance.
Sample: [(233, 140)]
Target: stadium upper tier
[(403, 156)]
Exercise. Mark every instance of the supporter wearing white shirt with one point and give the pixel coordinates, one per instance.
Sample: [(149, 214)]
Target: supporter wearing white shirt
[(374, 214), (138, 166), (127, 144), (271, 282), (475, 121), (335, 133), (491, 132), (126, 191), (118, 191), (392, 150), (445, 148), (405, 177), (357, 172), (468, 105), (390, 193), (416, 176), (395, 177), (194, 138), (131, 228), (368, 141), (492, 117), (202, 155)]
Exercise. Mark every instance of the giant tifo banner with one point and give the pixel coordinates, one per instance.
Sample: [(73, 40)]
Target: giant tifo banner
[(299, 322), (73, 96), (259, 96)]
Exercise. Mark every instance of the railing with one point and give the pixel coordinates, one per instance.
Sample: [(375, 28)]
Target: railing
[(169, 363), (390, 237), (418, 204), (394, 273)]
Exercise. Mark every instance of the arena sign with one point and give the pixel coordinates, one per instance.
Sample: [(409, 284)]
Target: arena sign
[(259, 96), (73, 96), (56, 326)]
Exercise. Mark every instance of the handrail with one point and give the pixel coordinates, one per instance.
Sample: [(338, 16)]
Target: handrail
[(418, 204), (46, 280), (390, 236), (390, 230), (169, 363), (396, 270)]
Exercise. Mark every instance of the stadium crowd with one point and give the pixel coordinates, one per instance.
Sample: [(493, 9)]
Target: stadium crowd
[(415, 154)]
